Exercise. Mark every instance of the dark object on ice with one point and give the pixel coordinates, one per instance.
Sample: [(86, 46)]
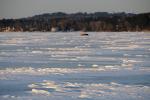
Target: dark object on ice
[(84, 34)]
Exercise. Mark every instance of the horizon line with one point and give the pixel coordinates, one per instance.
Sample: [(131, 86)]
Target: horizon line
[(75, 13)]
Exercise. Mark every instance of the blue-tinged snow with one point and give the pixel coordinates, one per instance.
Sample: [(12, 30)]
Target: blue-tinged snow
[(67, 66)]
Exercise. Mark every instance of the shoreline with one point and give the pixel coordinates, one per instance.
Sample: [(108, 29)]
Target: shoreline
[(73, 31)]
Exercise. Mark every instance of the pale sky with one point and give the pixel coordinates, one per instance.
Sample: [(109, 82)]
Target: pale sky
[(25, 8)]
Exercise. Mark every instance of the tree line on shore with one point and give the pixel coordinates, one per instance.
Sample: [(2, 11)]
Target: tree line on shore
[(98, 21)]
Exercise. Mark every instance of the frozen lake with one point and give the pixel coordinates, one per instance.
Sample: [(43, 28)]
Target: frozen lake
[(67, 66)]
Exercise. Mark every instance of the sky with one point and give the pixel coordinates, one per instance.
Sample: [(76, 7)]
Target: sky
[(26, 8)]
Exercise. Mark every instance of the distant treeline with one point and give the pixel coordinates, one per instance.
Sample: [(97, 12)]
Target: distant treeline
[(98, 21)]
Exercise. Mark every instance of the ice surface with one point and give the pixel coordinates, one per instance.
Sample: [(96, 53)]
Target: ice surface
[(67, 66)]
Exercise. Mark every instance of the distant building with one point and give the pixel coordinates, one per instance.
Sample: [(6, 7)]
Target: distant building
[(6, 29), (54, 29), (11, 29)]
